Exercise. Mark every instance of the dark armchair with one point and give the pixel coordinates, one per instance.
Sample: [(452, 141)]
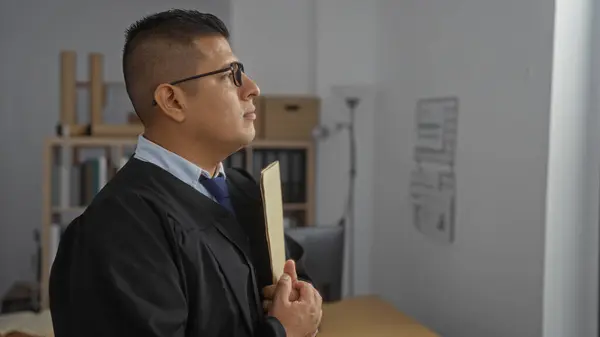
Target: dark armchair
[(323, 257)]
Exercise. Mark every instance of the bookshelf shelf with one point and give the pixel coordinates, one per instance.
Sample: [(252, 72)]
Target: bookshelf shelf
[(65, 197), (79, 210), (88, 141), (60, 210)]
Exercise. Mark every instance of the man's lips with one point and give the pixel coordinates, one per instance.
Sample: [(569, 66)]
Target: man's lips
[(250, 115)]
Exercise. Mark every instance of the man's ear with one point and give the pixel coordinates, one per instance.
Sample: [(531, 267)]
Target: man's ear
[(171, 101)]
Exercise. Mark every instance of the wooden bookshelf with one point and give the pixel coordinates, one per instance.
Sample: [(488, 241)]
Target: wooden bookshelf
[(64, 155)]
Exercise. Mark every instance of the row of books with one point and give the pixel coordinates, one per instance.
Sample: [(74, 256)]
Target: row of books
[(292, 165), (87, 177)]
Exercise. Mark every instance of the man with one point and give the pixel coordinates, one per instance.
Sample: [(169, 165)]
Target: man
[(174, 244)]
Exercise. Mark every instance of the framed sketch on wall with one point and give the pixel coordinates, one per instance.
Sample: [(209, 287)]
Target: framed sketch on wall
[(433, 180)]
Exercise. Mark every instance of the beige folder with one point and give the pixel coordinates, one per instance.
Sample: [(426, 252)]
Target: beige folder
[(270, 184)]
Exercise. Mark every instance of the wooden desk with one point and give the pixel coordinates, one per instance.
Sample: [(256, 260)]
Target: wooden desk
[(356, 317), (26, 324), (368, 316)]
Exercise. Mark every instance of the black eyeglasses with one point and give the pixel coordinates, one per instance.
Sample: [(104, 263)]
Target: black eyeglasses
[(236, 68)]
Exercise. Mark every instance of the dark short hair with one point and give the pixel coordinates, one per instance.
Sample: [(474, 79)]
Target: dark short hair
[(176, 28)]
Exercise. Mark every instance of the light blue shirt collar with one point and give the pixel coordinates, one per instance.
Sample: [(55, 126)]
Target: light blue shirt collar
[(178, 166)]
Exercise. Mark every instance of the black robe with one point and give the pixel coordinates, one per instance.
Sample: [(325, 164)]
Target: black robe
[(151, 256)]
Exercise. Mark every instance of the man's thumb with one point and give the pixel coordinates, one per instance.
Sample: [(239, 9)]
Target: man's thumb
[(283, 289), (290, 269)]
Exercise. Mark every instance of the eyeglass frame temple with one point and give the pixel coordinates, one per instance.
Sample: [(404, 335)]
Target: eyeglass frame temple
[(214, 72)]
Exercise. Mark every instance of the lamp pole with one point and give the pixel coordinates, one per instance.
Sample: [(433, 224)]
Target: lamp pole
[(348, 220)]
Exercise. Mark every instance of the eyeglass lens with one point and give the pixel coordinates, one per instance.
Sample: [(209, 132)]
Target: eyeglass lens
[(237, 69)]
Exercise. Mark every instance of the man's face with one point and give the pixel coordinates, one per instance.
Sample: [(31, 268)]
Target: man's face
[(218, 111)]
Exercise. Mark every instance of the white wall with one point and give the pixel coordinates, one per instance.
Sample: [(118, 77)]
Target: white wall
[(571, 268), (496, 56), (346, 56), (34, 33), (275, 41), (327, 48)]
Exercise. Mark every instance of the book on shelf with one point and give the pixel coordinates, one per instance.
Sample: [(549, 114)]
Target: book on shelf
[(293, 171), (237, 160), (86, 177), (56, 232), (292, 163), (92, 171), (93, 177)]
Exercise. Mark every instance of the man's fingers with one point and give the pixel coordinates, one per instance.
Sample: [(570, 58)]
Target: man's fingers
[(283, 289), (306, 291), (269, 291), (266, 305), (290, 268), (318, 298), (320, 317), (294, 295)]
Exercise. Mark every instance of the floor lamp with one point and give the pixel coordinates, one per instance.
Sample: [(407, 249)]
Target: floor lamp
[(347, 218)]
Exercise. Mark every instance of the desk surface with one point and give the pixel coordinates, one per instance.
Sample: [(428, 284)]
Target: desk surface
[(355, 317), (25, 324), (368, 316)]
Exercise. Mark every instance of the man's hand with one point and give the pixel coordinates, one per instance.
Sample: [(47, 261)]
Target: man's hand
[(302, 317), (269, 291)]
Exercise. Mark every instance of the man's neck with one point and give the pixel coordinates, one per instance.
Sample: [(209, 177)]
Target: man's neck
[(200, 155)]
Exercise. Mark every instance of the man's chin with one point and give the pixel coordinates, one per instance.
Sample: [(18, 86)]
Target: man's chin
[(249, 135), (248, 140), (244, 140)]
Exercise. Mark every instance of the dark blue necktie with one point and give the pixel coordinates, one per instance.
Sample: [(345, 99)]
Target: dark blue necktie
[(218, 188)]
